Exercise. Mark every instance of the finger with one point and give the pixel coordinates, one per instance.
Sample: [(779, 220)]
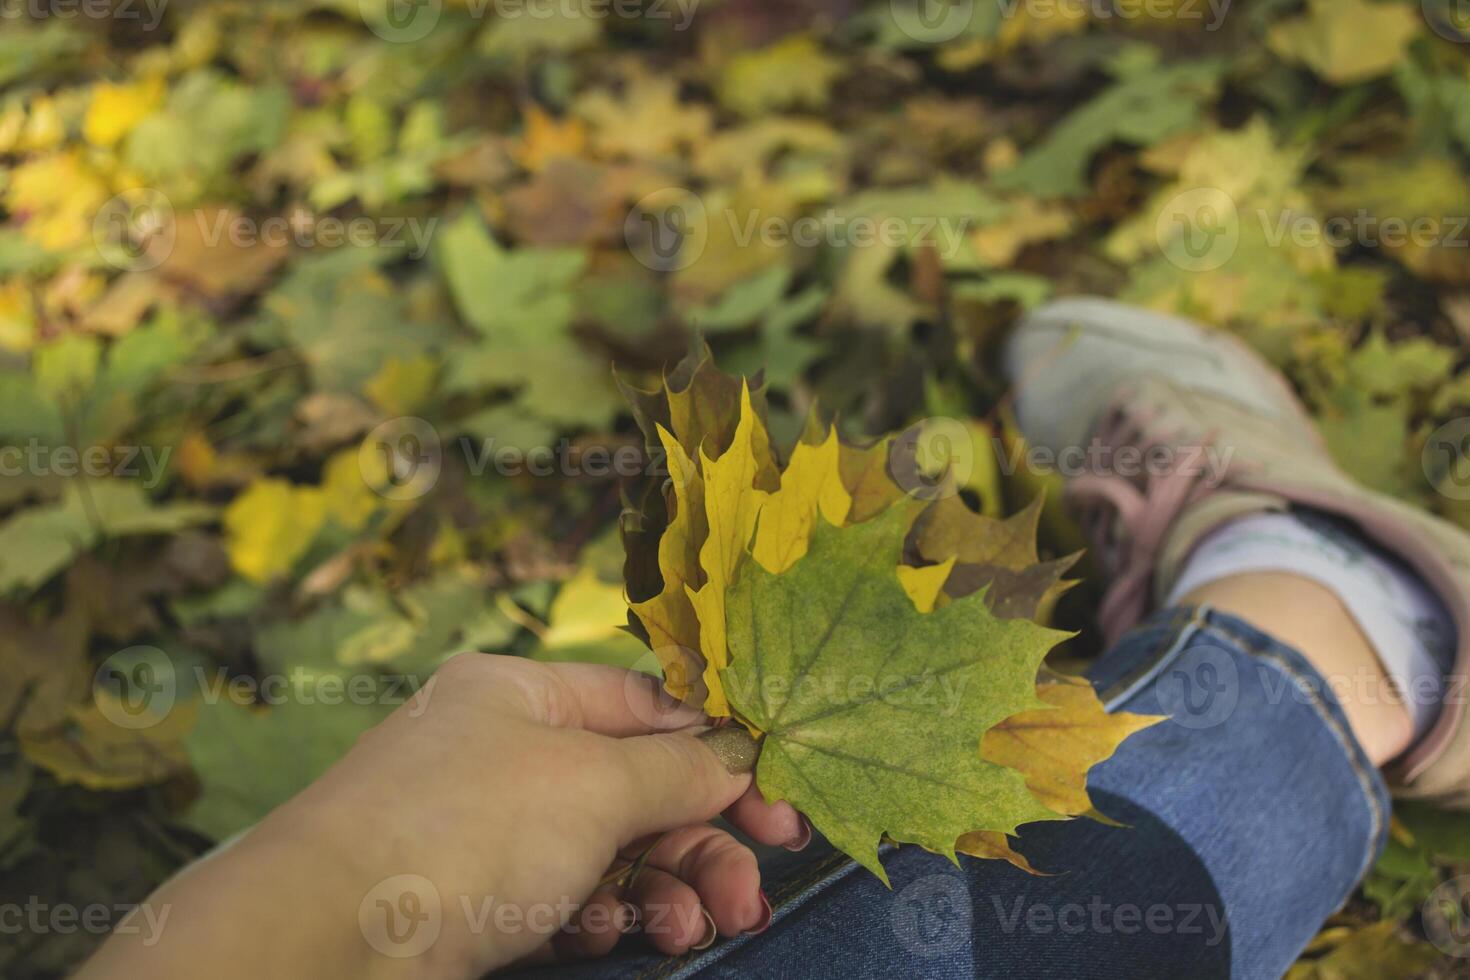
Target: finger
[(776, 824), (599, 924), (596, 697), (673, 918), (721, 870), (621, 702), (670, 780)]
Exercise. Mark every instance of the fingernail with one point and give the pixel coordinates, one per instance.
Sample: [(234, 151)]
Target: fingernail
[(803, 836), (734, 747), (764, 922), (628, 917), (710, 932)]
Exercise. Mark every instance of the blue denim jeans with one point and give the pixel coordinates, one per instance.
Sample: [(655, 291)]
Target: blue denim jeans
[(1241, 824)]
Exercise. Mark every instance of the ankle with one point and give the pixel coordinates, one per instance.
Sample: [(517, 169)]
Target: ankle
[(1312, 620)]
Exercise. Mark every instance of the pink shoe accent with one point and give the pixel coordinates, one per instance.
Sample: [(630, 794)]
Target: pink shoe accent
[(1127, 524)]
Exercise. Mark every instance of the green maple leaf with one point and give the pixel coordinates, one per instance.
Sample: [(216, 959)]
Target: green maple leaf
[(517, 298), (873, 711), (1147, 105), (249, 761)]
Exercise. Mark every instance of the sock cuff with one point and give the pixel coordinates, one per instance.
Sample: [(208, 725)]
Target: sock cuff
[(1404, 621)]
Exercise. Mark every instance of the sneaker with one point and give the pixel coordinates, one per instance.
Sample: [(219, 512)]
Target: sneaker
[(1177, 429)]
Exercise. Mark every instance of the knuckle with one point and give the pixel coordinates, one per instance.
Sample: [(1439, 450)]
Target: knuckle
[(464, 666)]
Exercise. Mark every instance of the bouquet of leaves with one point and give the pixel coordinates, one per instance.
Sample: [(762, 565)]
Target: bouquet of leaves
[(879, 639)]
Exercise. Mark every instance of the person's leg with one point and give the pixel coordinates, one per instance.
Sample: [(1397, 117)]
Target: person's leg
[(1241, 823), (1312, 620), (1256, 800)]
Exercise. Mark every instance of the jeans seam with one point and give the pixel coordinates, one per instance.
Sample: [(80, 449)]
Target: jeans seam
[(1353, 752), (1174, 634)]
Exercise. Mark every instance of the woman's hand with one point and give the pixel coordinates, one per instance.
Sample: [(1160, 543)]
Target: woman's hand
[(475, 827)]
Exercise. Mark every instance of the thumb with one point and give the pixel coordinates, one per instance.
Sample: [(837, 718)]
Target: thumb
[(680, 778)]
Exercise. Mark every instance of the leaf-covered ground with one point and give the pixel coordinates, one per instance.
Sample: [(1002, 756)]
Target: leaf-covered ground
[(307, 311)]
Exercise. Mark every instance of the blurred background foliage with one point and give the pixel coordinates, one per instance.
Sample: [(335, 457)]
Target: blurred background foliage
[(284, 286)]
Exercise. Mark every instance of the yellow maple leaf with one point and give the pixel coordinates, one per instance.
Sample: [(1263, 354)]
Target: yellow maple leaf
[(94, 751), (1024, 27), (586, 624), (669, 617), (60, 196), (732, 503), (648, 121), (1347, 41), (403, 384), (116, 109), (35, 128), (17, 317), (349, 495), (724, 238), (794, 71), (812, 482), (1372, 950), (546, 138), (271, 525), (925, 585), (1055, 747), (1028, 221), (196, 459), (994, 846), (585, 610)]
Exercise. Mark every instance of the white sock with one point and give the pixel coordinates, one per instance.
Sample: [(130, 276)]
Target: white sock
[(1407, 624)]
